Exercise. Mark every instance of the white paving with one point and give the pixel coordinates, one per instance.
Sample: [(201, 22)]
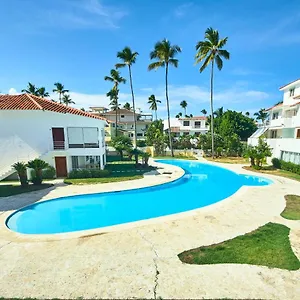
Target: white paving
[(140, 260)]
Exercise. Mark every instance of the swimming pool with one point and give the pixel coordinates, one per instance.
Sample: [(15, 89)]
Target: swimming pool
[(202, 185)]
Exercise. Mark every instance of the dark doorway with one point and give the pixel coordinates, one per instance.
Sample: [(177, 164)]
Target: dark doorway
[(58, 136)]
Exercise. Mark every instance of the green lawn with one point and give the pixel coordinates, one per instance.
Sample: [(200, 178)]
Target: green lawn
[(175, 157), (277, 172), (15, 189), (120, 171), (268, 246), (292, 209)]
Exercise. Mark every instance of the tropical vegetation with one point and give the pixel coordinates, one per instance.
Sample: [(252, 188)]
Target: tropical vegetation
[(164, 54), (153, 104), (21, 169), (60, 90), (38, 166), (210, 51)]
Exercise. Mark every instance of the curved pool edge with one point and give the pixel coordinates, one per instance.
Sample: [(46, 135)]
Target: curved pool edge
[(107, 229), (177, 174)]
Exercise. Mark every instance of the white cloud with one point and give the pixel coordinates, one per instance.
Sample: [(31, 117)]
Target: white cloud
[(238, 97), (182, 10), (12, 91)]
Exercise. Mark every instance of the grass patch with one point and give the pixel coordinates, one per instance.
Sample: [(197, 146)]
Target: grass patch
[(175, 157), (229, 160), (14, 189), (276, 172), (268, 246), (101, 180), (292, 209)]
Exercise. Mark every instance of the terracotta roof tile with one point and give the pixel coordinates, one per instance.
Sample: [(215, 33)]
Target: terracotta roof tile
[(288, 84), (31, 102), (275, 106)]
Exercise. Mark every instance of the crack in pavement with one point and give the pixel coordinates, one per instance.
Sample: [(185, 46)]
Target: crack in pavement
[(5, 245), (155, 264)]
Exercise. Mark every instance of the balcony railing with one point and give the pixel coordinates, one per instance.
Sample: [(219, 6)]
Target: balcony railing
[(58, 145)]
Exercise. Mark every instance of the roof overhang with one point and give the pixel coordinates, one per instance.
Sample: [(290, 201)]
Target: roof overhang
[(289, 85)]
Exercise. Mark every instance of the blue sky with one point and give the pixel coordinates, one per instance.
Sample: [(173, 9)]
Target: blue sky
[(75, 42)]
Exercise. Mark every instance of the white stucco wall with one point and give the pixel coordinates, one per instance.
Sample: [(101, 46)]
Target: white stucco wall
[(287, 100), (25, 135)]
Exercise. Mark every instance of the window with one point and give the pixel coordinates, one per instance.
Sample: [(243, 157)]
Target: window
[(293, 157), (298, 134), (197, 124), (275, 116), (102, 137), (122, 116), (273, 134), (83, 137), (292, 92), (186, 133), (186, 123), (139, 134)]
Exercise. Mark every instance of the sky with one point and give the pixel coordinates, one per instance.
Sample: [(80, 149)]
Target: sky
[(75, 42)]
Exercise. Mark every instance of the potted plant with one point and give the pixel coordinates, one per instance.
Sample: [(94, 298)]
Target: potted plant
[(21, 168)]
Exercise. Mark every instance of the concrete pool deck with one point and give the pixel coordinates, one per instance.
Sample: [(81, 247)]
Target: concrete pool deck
[(141, 261)]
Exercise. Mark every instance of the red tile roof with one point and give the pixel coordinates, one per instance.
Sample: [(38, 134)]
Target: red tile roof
[(31, 102), (288, 84), (296, 103), (194, 118), (278, 105)]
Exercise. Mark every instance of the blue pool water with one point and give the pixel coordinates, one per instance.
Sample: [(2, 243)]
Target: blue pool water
[(202, 185)]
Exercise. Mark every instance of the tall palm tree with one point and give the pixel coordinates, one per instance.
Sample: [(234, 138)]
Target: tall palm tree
[(179, 115), (127, 106), (129, 58), (42, 92), (153, 104), (184, 104), (66, 99), (113, 95), (116, 78), (261, 115), (164, 53), (31, 89), (210, 50), (60, 90), (219, 112), (204, 112)]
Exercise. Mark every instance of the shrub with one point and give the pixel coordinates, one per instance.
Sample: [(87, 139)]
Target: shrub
[(141, 143), (288, 166), (38, 166), (49, 173), (21, 168), (79, 174), (276, 163)]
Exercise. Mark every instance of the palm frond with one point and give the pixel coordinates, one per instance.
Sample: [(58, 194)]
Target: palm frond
[(219, 62), (224, 53), (173, 62), (206, 62), (108, 78), (156, 65), (120, 65), (222, 43)]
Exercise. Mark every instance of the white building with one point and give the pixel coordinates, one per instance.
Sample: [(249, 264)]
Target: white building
[(125, 120), (187, 126), (282, 129), (33, 127)]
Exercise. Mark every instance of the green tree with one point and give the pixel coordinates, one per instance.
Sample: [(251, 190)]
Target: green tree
[(219, 112), (114, 104), (31, 89), (116, 78), (60, 90), (66, 99), (155, 137), (261, 115), (179, 115), (153, 104), (210, 50), (184, 104), (21, 169), (38, 166), (127, 106), (129, 58), (204, 112), (121, 143), (247, 113), (42, 92), (164, 53)]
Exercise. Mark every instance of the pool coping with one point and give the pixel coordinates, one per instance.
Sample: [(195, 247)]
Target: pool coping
[(22, 237)]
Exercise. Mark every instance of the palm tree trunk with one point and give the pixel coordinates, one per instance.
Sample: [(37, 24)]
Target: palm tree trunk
[(184, 111), (133, 107), (60, 98), (168, 109), (212, 110), (156, 115)]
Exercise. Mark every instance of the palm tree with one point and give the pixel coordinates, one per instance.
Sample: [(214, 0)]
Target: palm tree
[(153, 104), (129, 58), (247, 113), (116, 78), (204, 112), (21, 168), (42, 92), (219, 112), (31, 89), (210, 50), (66, 99), (184, 104), (37, 165), (165, 53), (60, 90), (127, 106), (179, 115), (261, 115), (113, 96)]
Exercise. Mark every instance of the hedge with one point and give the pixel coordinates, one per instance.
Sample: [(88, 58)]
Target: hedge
[(78, 174), (287, 166)]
